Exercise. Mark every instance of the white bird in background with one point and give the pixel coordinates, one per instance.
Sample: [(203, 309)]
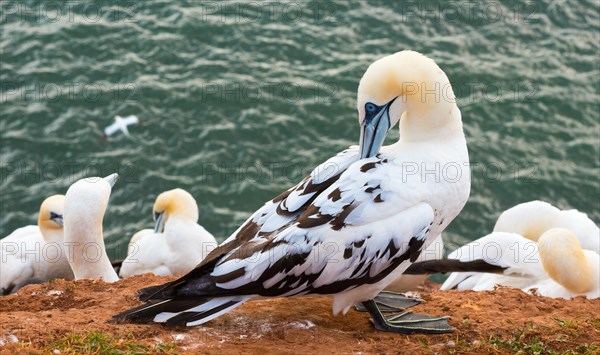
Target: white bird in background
[(121, 124), (85, 204), (176, 245), (531, 219), (355, 223), (35, 254), (554, 266)]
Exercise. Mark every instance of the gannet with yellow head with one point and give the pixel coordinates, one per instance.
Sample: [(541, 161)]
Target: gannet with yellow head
[(554, 266), (531, 219), (515, 245), (85, 205), (355, 223), (34, 254), (573, 271), (176, 245)]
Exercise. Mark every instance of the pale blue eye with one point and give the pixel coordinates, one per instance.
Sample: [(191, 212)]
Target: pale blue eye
[(371, 108)]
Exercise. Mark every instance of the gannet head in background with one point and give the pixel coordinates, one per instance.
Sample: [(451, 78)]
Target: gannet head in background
[(85, 204), (565, 261), (530, 219), (50, 217), (174, 203), (410, 86), (88, 199)]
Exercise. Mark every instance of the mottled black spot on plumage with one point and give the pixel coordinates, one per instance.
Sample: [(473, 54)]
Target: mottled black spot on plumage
[(368, 166), (339, 221), (335, 195), (414, 248), (312, 218), (373, 188)]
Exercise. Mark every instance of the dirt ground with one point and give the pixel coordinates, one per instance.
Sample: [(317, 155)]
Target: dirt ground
[(63, 317)]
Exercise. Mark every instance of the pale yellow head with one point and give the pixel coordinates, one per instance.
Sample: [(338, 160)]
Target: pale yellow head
[(51, 213), (417, 92), (530, 219), (565, 261), (174, 203)]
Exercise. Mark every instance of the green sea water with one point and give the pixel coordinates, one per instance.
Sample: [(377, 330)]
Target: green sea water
[(241, 99)]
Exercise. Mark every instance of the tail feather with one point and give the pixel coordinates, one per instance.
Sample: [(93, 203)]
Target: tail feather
[(148, 311), (451, 265), (146, 293), (204, 313), (180, 312)]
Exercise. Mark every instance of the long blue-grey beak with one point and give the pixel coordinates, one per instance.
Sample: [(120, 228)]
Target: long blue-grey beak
[(374, 129), (159, 224), (56, 218), (112, 179)]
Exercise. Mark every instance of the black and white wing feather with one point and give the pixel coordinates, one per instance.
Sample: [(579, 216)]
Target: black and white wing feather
[(334, 233)]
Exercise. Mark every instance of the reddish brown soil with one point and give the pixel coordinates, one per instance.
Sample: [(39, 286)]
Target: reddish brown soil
[(502, 321)]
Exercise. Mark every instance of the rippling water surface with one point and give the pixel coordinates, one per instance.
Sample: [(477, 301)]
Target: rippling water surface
[(240, 100)]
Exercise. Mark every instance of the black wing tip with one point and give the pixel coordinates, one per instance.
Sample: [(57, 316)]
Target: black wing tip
[(136, 315), (443, 266), (145, 312), (148, 293)]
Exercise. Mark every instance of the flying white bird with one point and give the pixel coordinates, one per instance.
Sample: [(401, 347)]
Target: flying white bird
[(121, 124), (35, 254), (85, 205), (355, 223), (176, 245)]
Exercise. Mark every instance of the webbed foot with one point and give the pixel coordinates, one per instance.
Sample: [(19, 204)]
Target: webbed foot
[(407, 322), (391, 302)]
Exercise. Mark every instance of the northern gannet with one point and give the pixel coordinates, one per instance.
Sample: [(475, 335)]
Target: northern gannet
[(34, 254), (531, 219), (176, 245), (355, 223), (120, 124), (85, 205), (554, 266)]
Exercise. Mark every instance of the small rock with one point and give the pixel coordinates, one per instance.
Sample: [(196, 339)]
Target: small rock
[(8, 338), (179, 337)]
